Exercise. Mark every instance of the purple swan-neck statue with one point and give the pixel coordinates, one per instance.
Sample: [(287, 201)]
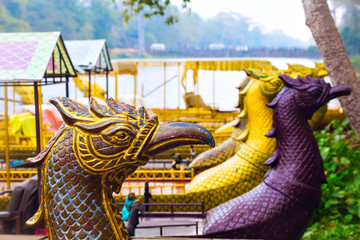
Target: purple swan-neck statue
[(282, 205)]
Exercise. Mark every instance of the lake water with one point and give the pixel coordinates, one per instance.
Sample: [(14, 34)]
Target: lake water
[(225, 97)]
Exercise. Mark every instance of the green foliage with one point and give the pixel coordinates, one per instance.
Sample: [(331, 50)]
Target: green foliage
[(356, 62), (8, 21), (151, 8), (66, 16), (93, 19), (350, 25), (338, 216)]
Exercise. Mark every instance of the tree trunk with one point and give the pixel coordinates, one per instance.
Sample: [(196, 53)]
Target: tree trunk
[(332, 50)]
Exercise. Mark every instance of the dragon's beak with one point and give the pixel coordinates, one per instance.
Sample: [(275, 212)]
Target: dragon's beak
[(338, 91), (174, 134)]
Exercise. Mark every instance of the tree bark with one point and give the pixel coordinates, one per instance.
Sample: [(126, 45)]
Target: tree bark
[(332, 50)]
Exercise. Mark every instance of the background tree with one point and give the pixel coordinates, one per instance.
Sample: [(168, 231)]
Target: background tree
[(150, 8), (350, 25), (67, 16), (10, 16), (332, 50)]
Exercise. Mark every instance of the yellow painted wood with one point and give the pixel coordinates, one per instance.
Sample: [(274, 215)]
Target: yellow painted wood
[(7, 151)]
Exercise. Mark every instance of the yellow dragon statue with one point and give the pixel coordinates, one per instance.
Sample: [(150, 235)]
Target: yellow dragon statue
[(228, 148), (245, 169)]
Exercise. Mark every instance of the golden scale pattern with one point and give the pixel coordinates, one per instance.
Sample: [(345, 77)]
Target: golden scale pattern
[(215, 156), (73, 197)]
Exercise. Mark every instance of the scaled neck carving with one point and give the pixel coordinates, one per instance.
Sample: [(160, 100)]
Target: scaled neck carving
[(90, 157), (281, 206)]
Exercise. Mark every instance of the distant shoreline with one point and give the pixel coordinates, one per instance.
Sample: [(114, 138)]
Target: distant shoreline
[(225, 53)]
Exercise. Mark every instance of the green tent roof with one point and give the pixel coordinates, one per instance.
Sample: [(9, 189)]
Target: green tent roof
[(30, 57)]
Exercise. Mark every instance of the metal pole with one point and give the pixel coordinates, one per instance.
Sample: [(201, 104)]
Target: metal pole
[(7, 150), (116, 87), (202, 207), (179, 85), (107, 84), (13, 100), (40, 118), (198, 95), (67, 86), (135, 89), (38, 142), (164, 91), (37, 117), (214, 89), (94, 78), (197, 90), (89, 84), (75, 88)]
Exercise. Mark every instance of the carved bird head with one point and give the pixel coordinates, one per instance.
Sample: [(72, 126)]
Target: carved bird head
[(115, 139), (270, 83), (311, 93)]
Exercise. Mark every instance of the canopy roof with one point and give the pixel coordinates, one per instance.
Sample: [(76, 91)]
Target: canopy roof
[(89, 55), (121, 67), (221, 65), (31, 57)]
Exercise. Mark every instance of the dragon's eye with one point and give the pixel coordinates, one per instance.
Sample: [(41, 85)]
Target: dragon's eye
[(315, 92), (122, 136), (119, 135)]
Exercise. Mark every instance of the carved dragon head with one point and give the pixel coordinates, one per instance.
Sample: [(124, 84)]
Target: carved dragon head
[(310, 93), (120, 137), (274, 84), (296, 147), (89, 158)]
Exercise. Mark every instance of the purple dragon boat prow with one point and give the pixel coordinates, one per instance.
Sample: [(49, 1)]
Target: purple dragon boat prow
[(282, 205)]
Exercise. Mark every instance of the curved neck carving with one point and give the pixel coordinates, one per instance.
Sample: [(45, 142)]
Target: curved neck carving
[(259, 120), (296, 147), (74, 199), (112, 212)]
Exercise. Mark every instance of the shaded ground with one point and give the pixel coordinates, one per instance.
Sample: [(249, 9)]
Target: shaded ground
[(168, 231)]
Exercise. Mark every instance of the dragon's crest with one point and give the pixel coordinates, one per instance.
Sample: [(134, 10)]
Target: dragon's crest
[(107, 136), (89, 158)]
